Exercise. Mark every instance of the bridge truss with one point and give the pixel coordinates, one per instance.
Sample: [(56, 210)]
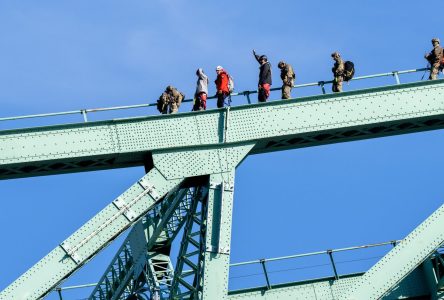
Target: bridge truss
[(189, 186)]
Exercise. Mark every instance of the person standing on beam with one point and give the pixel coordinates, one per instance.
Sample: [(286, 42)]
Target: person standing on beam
[(201, 93), (288, 77), (222, 88), (338, 72), (264, 77), (435, 58)]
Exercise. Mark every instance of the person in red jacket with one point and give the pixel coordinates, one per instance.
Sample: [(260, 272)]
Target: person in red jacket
[(222, 89)]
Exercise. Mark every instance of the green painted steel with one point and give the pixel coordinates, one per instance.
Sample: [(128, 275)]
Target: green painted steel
[(90, 238), (122, 213), (216, 258), (272, 126), (203, 262), (412, 251), (214, 143), (187, 273), (414, 286), (158, 227)]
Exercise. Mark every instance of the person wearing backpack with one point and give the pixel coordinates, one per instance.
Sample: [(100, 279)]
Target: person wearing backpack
[(162, 103), (435, 58), (288, 77), (264, 77), (222, 86), (338, 72), (201, 91), (173, 100)]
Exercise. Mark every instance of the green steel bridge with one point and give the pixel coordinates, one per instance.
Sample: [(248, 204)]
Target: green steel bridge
[(188, 191)]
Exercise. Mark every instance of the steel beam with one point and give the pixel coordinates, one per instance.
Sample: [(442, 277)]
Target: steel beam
[(75, 251), (216, 258), (412, 287), (385, 275), (272, 126)]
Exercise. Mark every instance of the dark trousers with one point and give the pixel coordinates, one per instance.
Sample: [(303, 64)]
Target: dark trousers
[(263, 93), (261, 97), (221, 99)]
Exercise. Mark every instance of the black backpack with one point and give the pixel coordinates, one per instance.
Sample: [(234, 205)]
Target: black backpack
[(442, 59), (349, 70)]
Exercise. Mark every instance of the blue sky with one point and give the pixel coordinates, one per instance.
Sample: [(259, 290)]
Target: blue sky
[(58, 56)]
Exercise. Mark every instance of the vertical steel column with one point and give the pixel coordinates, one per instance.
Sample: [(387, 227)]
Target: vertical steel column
[(216, 257)]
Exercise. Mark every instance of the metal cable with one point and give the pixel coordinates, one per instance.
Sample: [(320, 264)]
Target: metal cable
[(306, 267)]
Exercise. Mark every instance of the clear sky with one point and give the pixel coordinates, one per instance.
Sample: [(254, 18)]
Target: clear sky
[(58, 56)]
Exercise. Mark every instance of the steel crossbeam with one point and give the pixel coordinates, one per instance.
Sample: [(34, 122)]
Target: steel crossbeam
[(412, 287), (272, 126)]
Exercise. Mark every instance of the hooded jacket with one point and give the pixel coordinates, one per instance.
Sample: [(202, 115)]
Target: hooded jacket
[(202, 83)]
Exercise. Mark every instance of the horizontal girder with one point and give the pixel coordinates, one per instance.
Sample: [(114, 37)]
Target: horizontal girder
[(272, 126), (412, 287)]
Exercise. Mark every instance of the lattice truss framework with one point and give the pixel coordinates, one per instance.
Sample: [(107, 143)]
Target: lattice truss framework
[(150, 273), (146, 272)]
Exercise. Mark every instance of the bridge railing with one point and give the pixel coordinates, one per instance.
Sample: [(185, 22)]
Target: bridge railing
[(84, 112), (327, 259), (264, 263)]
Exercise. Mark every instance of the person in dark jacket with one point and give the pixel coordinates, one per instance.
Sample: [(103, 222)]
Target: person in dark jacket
[(264, 77), (435, 58)]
